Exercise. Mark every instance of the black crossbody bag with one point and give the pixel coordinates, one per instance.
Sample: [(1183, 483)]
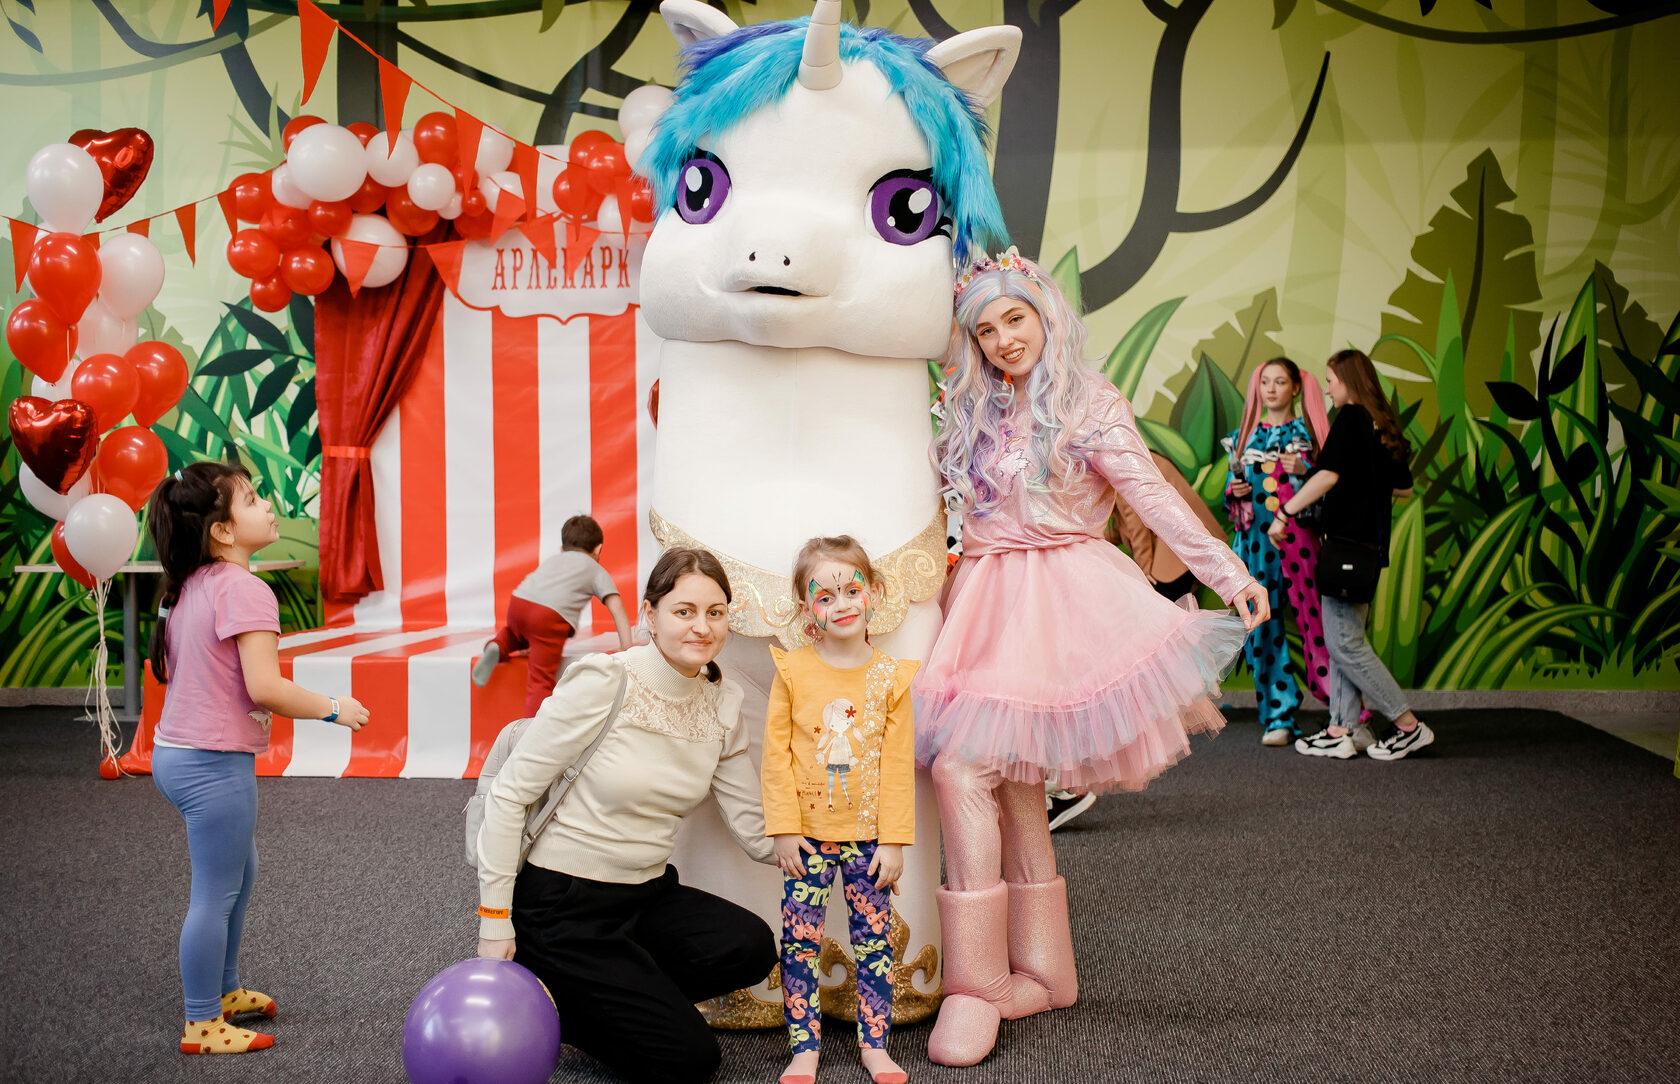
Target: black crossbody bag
[(1349, 570)]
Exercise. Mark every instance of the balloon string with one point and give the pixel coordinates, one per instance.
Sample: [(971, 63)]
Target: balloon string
[(98, 698)]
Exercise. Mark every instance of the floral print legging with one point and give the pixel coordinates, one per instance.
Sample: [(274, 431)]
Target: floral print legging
[(804, 905)]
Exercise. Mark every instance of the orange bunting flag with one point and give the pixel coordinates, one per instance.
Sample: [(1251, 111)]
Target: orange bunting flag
[(624, 191), (315, 32), (188, 218), (580, 242), (92, 238), (468, 131), (525, 159), (540, 232), (446, 257), (225, 198), (393, 94), (142, 227), (510, 208), (358, 260), (218, 8), (23, 247)]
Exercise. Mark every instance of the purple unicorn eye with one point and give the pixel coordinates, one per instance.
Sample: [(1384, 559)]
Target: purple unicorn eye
[(701, 189), (905, 208)]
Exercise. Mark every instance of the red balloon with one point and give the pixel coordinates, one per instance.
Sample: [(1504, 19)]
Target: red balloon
[(368, 198), (109, 384), (132, 462), (330, 219), (39, 339), (287, 227), (64, 270), (641, 202), (61, 555), (163, 379), (57, 440), (473, 203), (582, 150), (474, 227), (270, 293), (608, 168), (573, 196), (124, 156), (253, 195), (410, 219), (307, 271), (362, 130), (253, 253), (436, 139), (296, 125)]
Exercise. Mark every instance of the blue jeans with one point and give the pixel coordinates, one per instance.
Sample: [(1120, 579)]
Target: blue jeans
[(216, 794), (1356, 673)]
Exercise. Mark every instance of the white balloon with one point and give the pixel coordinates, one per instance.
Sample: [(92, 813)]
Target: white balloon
[(642, 106), (392, 256), (607, 218), (130, 273), (102, 331), (452, 210), (100, 532), (65, 185), (47, 501), (635, 145), (388, 165), (54, 390), (495, 152), (286, 191), (431, 186), (327, 162), (494, 185)]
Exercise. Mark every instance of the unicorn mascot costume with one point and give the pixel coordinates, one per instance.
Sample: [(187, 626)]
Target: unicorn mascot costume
[(817, 180)]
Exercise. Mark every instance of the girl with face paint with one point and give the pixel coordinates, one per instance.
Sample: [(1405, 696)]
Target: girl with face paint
[(839, 795)]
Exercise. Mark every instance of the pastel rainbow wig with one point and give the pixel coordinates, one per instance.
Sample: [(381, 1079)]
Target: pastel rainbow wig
[(977, 395)]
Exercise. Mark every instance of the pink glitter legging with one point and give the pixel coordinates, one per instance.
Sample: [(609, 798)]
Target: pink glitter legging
[(993, 828)]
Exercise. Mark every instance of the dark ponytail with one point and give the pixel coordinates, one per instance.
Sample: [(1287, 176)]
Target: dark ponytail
[(183, 508), (682, 561)]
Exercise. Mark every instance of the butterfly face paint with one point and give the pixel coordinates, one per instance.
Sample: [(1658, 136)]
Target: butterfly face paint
[(838, 597)]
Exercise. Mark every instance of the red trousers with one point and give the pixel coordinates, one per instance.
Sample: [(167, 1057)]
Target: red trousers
[(535, 626)]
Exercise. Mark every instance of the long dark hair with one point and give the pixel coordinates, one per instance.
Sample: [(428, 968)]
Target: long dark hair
[(183, 509), (673, 566), (1355, 370)]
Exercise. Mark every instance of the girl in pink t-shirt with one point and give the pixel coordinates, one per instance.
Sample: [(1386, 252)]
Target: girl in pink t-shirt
[(217, 646)]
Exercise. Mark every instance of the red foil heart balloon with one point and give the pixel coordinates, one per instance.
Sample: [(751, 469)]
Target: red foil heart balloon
[(57, 440), (124, 156)]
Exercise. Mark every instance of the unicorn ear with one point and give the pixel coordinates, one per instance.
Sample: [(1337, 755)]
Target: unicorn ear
[(691, 21), (977, 61)]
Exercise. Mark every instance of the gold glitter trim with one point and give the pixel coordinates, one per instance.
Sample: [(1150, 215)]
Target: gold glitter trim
[(740, 1010), (764, 602)]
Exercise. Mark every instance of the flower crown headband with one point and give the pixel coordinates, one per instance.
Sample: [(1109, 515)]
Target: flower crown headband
[(1009, 260)]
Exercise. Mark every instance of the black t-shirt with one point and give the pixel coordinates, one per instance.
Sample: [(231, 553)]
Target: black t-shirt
[(1360, 505)]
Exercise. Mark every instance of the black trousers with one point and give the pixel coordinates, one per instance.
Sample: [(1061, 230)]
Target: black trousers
[(626, 963)]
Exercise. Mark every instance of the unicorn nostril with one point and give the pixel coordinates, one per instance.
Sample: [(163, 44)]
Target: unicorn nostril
[(751, 256), (786, 261)]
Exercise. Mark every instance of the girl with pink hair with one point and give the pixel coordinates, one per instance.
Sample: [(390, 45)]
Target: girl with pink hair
[(1056, 655)]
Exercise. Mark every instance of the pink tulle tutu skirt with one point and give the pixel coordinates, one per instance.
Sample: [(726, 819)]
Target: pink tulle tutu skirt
[(1064, 660)]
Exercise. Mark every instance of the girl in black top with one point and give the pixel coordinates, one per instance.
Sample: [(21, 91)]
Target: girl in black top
[(1364, 460)]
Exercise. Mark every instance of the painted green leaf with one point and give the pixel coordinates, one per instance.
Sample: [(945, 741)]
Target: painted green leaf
[(1209, 407), (551, 10), (1247, 340), (1066, 276), (1397, 609), (1130, 356), (1166, 440)]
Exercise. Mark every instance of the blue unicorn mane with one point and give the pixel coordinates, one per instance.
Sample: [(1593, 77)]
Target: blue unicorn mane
[(728, 78)]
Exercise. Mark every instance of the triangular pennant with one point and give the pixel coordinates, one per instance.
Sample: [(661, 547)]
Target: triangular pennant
[(218, 8), (225, 198), (393, 95), (91, 238), (315, 32), (468, 131), (510, 208), (23, 247), (540, 232), (446, 257), (525, 158), (580, 241), (142, 227), (358, 260), (188, 218), (624, 191)]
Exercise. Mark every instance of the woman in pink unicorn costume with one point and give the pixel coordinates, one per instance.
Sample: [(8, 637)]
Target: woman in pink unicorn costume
[(1056, 655)]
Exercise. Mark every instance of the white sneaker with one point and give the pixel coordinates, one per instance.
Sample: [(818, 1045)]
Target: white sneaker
[(1064, 807), (486, 664), (1402, 742), (1278, 735), (1323, 744)]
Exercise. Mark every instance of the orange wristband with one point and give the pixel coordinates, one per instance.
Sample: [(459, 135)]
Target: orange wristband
[(492, 912)]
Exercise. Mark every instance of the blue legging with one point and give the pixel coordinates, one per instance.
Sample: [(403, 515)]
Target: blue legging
[(217, 796)]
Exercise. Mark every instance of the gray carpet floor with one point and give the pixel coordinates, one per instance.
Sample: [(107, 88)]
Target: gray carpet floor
[(1504, 906)]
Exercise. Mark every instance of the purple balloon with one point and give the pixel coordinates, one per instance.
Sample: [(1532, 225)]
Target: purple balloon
[(481, 1021)]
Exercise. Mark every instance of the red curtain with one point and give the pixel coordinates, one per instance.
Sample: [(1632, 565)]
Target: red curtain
[(367, 352)]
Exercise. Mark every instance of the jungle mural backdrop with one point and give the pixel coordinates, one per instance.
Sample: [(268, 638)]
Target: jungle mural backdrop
[(1481, 193)]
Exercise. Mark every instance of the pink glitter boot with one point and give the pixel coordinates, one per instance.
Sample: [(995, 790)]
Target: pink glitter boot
[(1041, 942), (979, 988)]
